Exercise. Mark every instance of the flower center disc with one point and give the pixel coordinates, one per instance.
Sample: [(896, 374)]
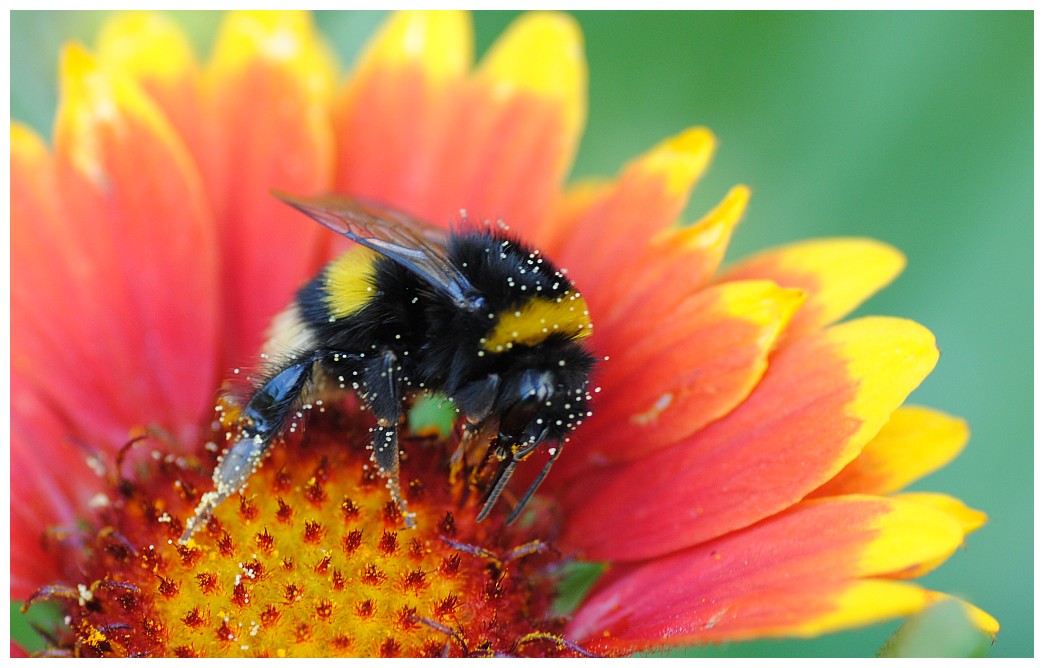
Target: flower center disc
[(312, 559)]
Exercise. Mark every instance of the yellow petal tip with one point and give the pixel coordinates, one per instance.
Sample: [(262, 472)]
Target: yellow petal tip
[(76, 61), (680, 160), (762, 303), (715, 228), (911, 539), (887, 358), (97, 105), (26, 142), (146, 45), (969, 519), (440, 42), (284, 39), (541, 54)]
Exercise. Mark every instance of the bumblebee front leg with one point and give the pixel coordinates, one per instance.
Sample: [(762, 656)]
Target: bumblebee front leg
[(260, 422), (383, 394)]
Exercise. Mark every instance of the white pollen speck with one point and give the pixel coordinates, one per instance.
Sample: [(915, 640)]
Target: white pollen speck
[(85, 593), (99, 500), (96, 465)]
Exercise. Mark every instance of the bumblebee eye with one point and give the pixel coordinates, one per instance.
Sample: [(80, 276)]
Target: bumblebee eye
[(536, 387), (532, 392)]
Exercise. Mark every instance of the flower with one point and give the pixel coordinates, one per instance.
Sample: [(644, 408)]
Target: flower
[(739, 475)]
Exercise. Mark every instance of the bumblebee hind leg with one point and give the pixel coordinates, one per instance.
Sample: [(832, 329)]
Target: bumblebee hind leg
[(383, 394), (260, 422)]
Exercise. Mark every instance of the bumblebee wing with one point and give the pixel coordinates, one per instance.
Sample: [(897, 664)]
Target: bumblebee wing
[(416, 245)]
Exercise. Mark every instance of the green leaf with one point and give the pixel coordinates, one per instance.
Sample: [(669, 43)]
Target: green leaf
[(944, 630), (43, 614), (577, 579)]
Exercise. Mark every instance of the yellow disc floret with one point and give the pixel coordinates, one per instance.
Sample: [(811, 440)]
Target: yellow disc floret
[(312, 559)]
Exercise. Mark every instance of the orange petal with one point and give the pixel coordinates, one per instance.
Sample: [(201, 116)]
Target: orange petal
[(674, 264), (268, 90), (914, 442), (799, 573), (128, 223), (48, 279), (661, 386), (838, 274), (567, 209), (416, 132), (822, 398), (646, 198), (532, 89), (152, 50), (397, 111)]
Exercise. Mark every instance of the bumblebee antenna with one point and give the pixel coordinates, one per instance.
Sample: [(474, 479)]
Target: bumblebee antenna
[(536, 483)]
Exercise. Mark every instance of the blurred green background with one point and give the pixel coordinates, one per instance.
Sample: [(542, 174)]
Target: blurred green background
[(915, 128)]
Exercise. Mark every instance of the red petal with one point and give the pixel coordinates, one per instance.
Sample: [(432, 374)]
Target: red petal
[(268, 90), (660, 386), (418, 133), (823, 397), (113, 264), (50, 484), (673, 265), (796, 574), (645, 199), (397, 110)]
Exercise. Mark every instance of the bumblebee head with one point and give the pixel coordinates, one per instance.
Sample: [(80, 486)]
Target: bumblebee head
[(541, 397)]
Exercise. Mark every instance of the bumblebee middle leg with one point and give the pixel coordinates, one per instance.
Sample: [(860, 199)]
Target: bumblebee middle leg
[(383, 381)]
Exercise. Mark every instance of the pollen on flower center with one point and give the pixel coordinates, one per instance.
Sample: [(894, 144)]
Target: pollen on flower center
[(312, 559)]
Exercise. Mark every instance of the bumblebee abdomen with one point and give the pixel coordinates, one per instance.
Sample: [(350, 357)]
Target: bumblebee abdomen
[(349, 282)]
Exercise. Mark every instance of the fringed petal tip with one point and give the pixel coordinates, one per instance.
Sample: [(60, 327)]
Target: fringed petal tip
[(541, 54), (679, 160), (967, 518), (914, 442), (441, 43), (94, 97), (839, 275), (284, 39), (147, 46)]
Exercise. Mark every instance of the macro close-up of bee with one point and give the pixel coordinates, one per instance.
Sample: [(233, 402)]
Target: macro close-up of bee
[(470, 313)]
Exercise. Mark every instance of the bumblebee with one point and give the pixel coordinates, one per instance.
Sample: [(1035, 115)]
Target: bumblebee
[(471, 313)]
